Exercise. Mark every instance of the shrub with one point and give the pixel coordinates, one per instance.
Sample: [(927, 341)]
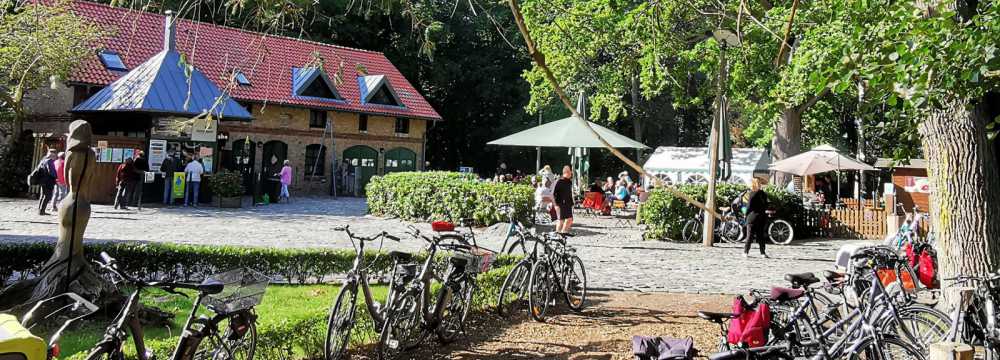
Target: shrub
[(665, 214), (428, 196), (226, 183)]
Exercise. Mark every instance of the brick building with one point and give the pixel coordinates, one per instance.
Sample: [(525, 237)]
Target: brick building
[(316, 105)]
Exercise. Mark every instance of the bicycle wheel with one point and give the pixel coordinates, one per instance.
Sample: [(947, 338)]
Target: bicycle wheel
[(886, 348), (692, 230), (731, 231), (453, 317), (513, 290), (540, 290), (780, 232), (233, 344), (575, 283), (517, 245), (402, 328), (340, 323)]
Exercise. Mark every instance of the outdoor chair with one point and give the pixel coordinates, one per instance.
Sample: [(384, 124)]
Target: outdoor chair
[(593, 203), (621, 214)]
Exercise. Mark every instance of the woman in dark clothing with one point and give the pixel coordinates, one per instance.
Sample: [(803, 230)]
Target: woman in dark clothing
[(126, 180), (756, 218), (563, 196)]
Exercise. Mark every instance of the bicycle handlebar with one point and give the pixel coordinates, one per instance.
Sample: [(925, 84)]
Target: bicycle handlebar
[(109, 264), (383, 234)]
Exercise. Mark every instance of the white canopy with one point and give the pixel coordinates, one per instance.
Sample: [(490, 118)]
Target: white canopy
[(820, 159), (690, 164)]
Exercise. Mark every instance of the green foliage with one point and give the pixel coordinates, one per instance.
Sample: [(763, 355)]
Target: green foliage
[(226, 183), (423, 196), (16, 162), (665, 214)]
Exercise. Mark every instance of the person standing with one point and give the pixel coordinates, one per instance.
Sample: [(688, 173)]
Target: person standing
[(286, 180), (168, 167), (47, 180), (563, 196), (193, 172), (756, 205), (125, 177), (61, 188), (141, 167)]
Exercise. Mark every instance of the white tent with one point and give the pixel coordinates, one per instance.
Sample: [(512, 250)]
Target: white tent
[(679, 165)]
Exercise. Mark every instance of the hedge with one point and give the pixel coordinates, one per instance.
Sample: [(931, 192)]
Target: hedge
[(428, 196), (195, 262), (665, 214)]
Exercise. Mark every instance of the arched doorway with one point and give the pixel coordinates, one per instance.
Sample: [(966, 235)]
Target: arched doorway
[(244, 156), (274, 155), (400, 159), (363, 160)]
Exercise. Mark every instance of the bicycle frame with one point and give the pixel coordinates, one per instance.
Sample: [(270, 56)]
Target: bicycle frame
[(358, 275)]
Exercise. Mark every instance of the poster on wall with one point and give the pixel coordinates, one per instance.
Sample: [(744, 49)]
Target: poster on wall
[(128, 154), (107, 155), (205, 154), (916, 184), (203, 130), (157, 153), (177, 190), (116, 155)]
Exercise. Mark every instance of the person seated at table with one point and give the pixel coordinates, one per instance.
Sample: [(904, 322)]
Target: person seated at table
[(609, 185), (596, 186), (621, 191)]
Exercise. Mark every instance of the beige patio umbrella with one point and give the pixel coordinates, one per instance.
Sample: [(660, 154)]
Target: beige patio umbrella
[(820, 159)]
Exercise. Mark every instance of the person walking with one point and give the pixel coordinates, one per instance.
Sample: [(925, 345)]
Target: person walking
[(168, 167), (61, 188), (193, 172), (47, 180), (125, 177), (563, 195), (141, 167), (286, 180), (756, 205)]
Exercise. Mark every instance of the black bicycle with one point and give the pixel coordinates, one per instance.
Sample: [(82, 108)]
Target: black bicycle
[(556, 269), (231, 334), (413, 316), (342, 315)]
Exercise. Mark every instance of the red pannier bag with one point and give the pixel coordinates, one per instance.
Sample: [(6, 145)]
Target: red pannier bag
[(750, 323), (442, 226), (927, 272)]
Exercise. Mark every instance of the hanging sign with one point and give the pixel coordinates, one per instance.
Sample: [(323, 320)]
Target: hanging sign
[(102, 144), (204, 130), (157, 153)]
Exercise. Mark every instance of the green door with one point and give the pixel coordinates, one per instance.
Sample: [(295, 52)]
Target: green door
[(400, 159), (363, 160)]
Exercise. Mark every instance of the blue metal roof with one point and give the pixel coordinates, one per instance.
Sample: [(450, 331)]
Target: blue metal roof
[(370, 85), (302, 78), (160, 85)]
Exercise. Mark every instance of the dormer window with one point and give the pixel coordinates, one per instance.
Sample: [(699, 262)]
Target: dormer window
[(112, 61), (240, 78), (312, 83), (375, 89)]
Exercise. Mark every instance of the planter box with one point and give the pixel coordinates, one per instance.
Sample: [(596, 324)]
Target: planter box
[(229, 202)]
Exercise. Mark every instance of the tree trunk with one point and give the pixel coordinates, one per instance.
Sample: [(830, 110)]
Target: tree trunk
[(962, 168), (636, 117), (787, 141)]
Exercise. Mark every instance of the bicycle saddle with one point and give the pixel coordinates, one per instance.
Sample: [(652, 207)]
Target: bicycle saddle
[(786, 294), (400, 256), (800, 280), (210, 286), (715, 317)]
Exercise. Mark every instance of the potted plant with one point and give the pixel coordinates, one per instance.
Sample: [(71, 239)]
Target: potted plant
[(227, 186)]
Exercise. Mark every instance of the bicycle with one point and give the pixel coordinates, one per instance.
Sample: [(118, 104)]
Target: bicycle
[(974, 321), (515, 284), (341, 320), (727, 229), (413, 316), (230, 334), (68, 306), (515, 230), (559, 269)]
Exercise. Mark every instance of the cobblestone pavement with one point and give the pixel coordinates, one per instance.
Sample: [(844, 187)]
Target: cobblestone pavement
[(616, 257)]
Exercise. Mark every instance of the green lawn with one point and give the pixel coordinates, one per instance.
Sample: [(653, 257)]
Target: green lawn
[(302, 307)]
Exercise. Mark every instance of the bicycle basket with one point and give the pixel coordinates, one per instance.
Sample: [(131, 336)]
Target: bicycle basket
[(477, 260), (243, 289)]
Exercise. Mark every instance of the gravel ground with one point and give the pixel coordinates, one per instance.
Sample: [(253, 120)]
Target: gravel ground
[(603, 330), (616, 257)]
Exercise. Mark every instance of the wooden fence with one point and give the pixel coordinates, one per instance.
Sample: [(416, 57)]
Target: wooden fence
[(852, 222)]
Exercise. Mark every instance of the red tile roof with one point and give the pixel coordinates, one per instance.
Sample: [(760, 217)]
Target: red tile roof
[(266, 60)]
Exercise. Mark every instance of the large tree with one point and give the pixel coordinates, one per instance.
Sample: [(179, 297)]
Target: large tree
[(39, 46)]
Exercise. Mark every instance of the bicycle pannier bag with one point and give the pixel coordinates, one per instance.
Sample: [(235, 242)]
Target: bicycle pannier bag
[(663, 348), (927, 272), (750, 324)]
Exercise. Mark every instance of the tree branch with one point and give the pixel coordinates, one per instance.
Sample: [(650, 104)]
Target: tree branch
[(539, 58), (788, 31), (812, 101)]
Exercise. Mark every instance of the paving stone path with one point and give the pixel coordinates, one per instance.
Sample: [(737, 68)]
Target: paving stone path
[(616, 257)]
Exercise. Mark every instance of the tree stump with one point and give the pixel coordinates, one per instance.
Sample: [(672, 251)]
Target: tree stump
[(67, 270)]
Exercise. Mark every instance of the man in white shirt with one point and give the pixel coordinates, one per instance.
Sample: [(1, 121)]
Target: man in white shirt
[(192, 172)]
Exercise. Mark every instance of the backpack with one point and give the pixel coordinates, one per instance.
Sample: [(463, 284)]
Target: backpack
[(750, 323), (38, 176), (663, 348)]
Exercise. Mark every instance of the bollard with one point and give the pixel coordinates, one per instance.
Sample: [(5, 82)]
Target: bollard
[(951, 351)]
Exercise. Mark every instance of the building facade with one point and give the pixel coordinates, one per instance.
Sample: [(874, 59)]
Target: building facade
[(335, 113)]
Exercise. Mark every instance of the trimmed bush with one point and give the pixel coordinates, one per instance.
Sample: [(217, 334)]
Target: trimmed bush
[(665, 214), (429, 196)]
